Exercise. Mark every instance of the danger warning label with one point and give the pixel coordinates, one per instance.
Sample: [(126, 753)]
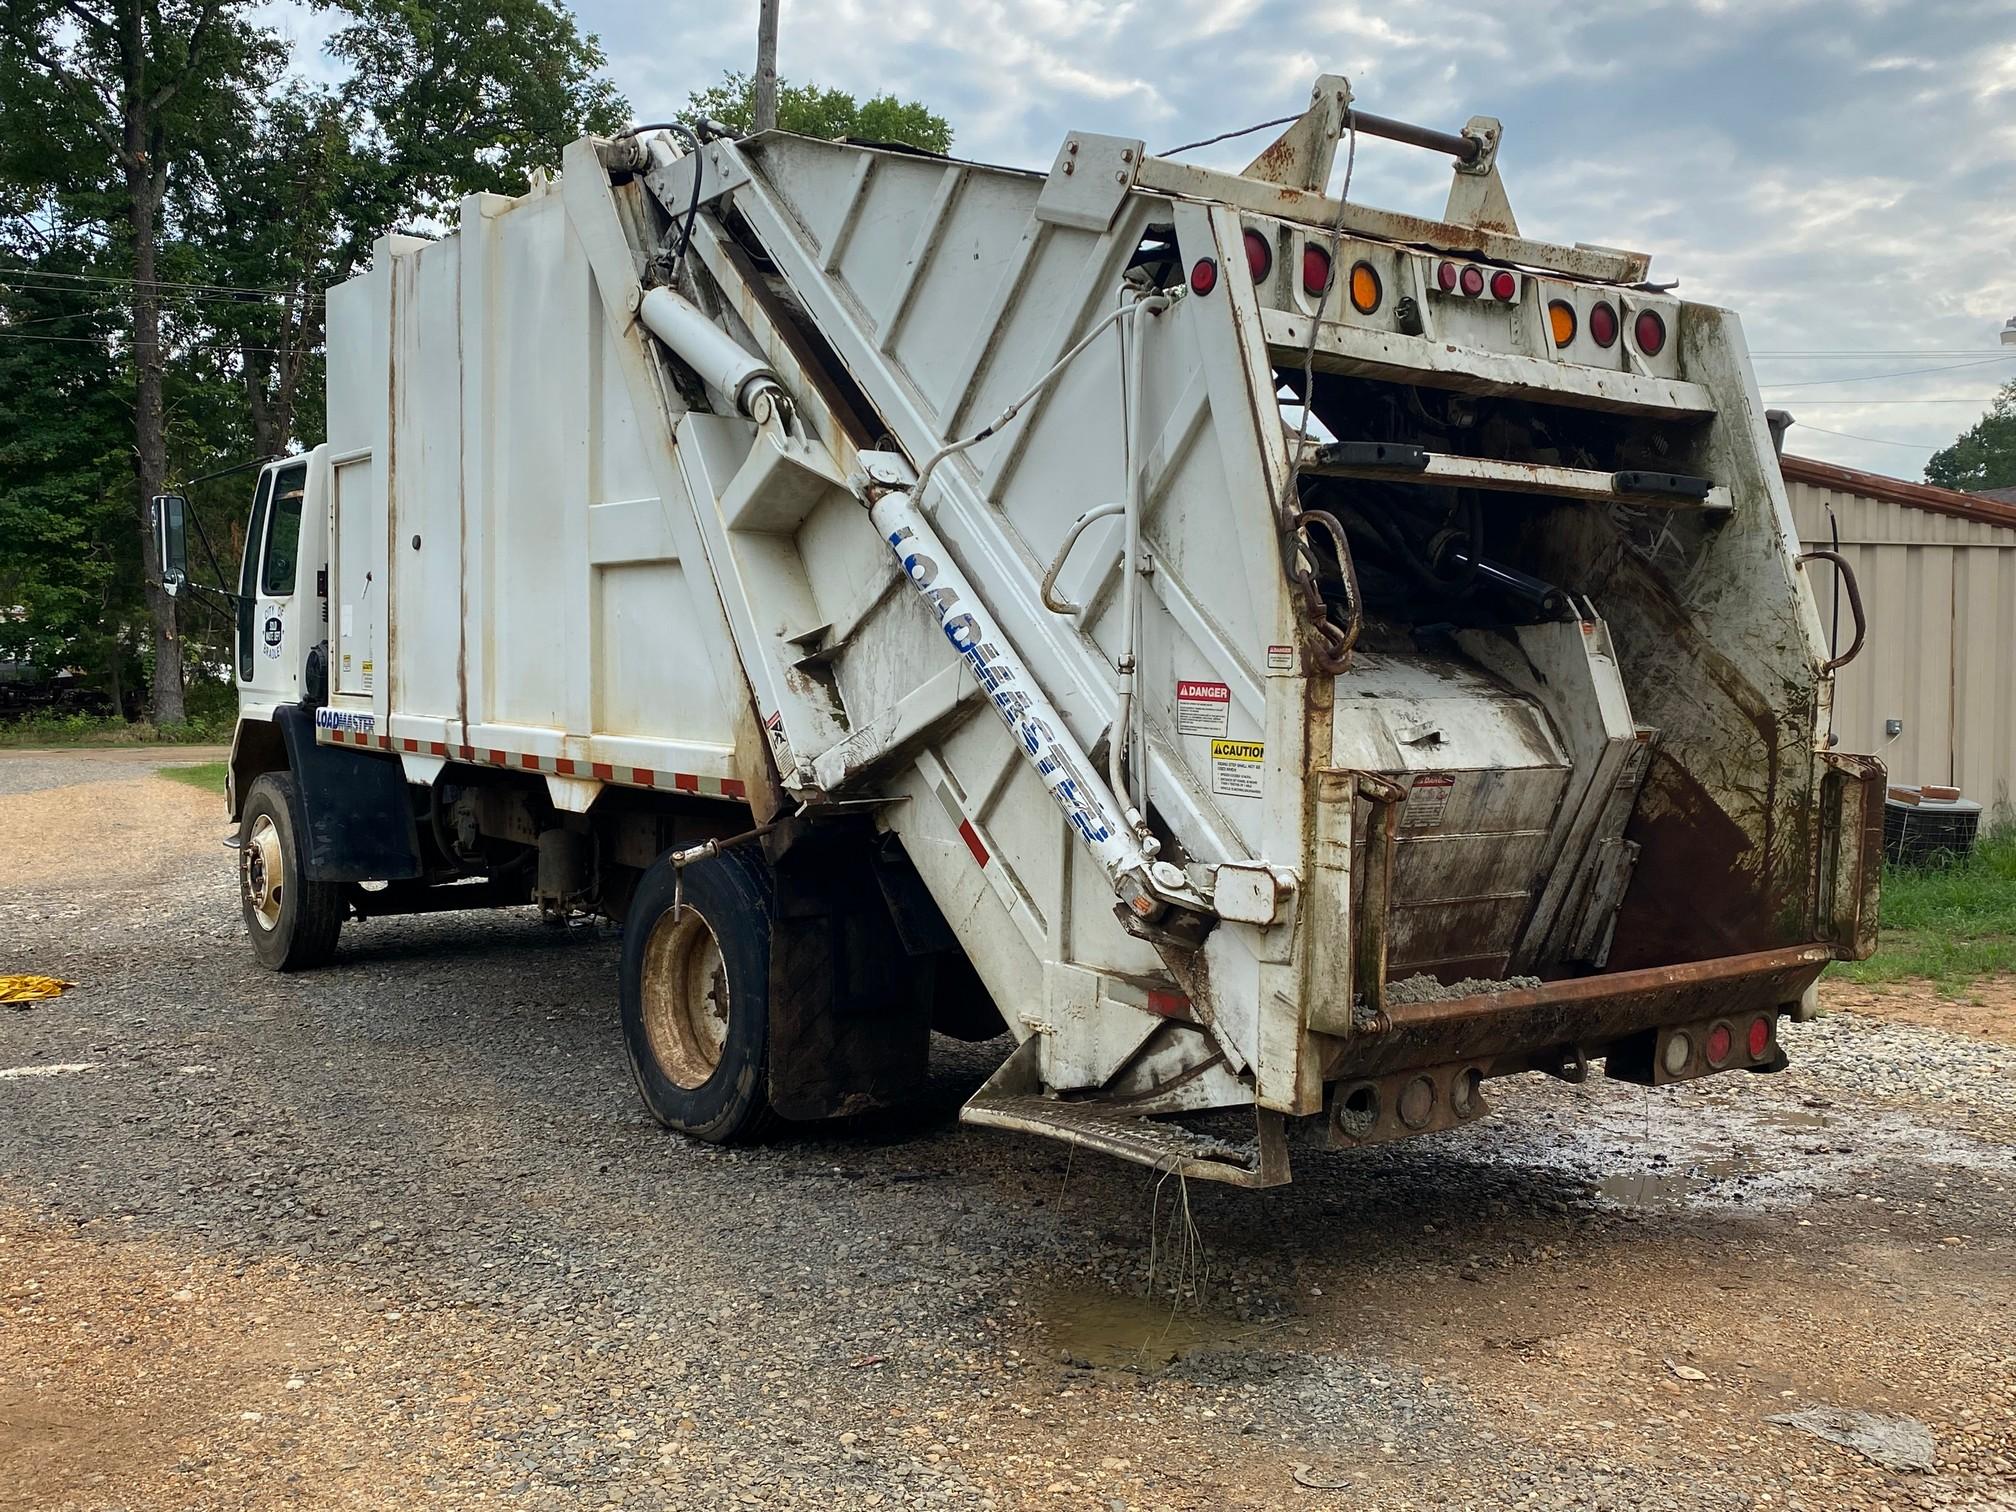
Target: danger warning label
[(1203, 708), (1236, 767), (1427, 800)]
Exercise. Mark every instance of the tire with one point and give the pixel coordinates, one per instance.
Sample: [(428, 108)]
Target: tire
[(293, 923), (696, 996)]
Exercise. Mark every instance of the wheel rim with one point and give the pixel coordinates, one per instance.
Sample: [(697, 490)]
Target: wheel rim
[(685, 997), (265, 872)]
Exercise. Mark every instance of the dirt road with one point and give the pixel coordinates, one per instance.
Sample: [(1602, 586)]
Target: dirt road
[(397, 1234)]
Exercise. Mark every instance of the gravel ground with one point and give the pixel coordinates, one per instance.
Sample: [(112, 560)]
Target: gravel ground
[(397, 1233)]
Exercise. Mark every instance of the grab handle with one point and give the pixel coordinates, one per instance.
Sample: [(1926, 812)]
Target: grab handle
[(1847, 575), (1051, 601)]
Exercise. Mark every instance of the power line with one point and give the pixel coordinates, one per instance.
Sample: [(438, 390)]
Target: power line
[(1845, 352), (119, 299), (1878, 440), (1950, 367), (193, 346), (153, 283), (1858, 403)]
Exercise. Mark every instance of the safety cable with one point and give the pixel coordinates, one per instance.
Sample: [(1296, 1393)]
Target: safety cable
[(1226, 136), (952, 448)]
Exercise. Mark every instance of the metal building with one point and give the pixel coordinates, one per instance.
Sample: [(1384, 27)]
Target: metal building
[(1937, 570)]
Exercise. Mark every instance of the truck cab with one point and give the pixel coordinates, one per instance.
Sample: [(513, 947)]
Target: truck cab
[(282, 631)]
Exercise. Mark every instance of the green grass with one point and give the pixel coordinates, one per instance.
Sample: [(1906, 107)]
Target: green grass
[(207, 775), (1950, 925), (65, 730)]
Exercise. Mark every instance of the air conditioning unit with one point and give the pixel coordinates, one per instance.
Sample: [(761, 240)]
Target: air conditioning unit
[(1928, 826)]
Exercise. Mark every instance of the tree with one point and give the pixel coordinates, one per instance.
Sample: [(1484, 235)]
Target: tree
[(195, 200), (124, 96), (831, 113), (1984, 456), (67, 566), (443, 100)]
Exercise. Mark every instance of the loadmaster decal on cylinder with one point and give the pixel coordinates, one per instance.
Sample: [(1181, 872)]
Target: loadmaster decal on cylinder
[(1059, 772)]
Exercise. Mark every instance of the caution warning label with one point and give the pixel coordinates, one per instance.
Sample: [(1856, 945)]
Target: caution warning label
[(1203, 708), (1236, 767), (1427, 800)]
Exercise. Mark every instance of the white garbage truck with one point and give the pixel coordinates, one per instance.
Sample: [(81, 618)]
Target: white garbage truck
[(1265, 655)]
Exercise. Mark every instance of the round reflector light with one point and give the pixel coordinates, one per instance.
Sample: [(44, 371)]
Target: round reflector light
[(1721, 1040), (1649, 331), (1678, 1052), (1365, 290), (1760, 1038), (1473, 281), (1259, 256), (1503, 285), (1561, 321), (1603, 324), (1445, 278), (1315, 269), (1203, 276)]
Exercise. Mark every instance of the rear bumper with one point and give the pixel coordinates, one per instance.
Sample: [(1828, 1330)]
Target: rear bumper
[(1508, 1029)]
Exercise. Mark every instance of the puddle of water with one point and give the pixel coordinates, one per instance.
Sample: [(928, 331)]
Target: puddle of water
[(1116, 1332), (1671, 1185), (1802, 1121)]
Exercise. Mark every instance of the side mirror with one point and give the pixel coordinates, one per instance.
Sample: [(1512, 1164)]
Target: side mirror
[(171, 545)]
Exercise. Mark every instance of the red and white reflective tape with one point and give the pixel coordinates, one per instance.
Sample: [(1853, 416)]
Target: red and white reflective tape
[(559, 766)]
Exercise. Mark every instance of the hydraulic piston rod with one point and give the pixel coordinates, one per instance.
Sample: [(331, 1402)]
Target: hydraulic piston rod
[(1046, 742)]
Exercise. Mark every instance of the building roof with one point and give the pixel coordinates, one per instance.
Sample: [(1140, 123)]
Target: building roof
[(1992, 507)]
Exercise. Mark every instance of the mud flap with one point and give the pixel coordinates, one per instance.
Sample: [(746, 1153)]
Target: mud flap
[(850, 1027), (351, 808)]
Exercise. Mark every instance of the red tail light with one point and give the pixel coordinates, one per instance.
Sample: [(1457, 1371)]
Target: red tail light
[(1721, 1040), (1259, 256), (1473, 281), (1603, 324), (1649, 331), (1445, 278), (1203, 276), (1503, 285), (1760, 1036), (1315, 269)]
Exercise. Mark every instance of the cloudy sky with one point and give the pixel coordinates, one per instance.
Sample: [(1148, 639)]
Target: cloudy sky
[(1842, 172)]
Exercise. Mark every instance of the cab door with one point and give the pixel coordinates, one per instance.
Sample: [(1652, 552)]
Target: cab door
[(278, 609)]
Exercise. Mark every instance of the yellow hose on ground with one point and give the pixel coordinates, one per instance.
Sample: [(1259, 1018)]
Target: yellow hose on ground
[(31, 989)]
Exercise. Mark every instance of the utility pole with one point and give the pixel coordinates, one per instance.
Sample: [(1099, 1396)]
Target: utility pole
[(766, 65)]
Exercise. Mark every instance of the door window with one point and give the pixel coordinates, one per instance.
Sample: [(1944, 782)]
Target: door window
[(248, 574), (283, 534)]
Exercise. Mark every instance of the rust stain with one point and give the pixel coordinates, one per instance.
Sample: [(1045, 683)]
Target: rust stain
[(1591, 1012), (1276, 164)]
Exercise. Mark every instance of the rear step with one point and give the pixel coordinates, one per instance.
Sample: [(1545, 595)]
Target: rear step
[(1106, 1127), (1412, 464)]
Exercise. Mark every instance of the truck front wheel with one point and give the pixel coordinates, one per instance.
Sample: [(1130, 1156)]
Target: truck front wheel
[(696, 995), (293, 922)]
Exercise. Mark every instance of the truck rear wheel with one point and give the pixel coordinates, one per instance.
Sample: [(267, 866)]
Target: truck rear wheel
[(293, 922), (696, 995)]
